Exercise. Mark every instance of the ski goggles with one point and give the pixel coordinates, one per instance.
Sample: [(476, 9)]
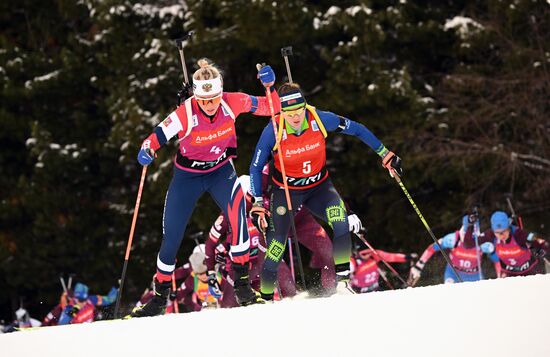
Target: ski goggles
[(291, 113), (204, 101)]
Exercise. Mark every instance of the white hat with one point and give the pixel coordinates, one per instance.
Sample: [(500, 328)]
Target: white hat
[(197, 262), (201, 248)]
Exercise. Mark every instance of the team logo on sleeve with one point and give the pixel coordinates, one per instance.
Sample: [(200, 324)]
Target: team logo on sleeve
[(167, 122)]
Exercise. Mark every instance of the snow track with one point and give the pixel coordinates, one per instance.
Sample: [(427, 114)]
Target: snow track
[(506, 317)]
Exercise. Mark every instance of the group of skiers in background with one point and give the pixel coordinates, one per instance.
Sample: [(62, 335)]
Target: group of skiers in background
[(75, 306), (246, 259)]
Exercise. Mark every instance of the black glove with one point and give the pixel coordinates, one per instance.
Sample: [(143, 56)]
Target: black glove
[(173, 295), (538, 252), (185, 92), (74, 310), (392, 162), (473, 218), (220, 257)]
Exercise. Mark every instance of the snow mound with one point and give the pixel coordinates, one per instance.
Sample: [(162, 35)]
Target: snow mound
[(505, 317)]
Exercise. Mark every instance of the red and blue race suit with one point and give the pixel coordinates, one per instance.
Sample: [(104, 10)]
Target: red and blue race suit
[(203, 164), (464, 256)]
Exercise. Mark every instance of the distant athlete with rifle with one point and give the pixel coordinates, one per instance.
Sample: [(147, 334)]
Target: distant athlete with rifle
[(301, 131), (464, 254), (518, 252)]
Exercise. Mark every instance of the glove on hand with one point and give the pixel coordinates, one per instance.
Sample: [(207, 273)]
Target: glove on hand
[(145, 156), (416, 272), (184, 93), (392, 162), (258, 215), (487, 248), (355, 224), (266, 75), (74, 310)]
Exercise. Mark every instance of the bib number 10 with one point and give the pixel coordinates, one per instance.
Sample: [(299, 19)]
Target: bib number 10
[(306, 167)]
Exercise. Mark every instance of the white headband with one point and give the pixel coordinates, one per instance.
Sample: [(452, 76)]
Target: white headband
[(208, 88)]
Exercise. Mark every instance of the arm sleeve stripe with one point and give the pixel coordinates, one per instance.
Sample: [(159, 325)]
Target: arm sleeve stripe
[(161, 138), (254, 103)]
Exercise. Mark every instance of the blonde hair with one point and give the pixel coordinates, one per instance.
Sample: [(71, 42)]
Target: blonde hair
[(206, 70)]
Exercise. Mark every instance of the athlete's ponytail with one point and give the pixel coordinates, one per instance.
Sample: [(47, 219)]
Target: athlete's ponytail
[(206, 70)]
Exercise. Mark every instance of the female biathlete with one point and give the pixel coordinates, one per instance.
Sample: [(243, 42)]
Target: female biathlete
[(205, 127), (302, 130)]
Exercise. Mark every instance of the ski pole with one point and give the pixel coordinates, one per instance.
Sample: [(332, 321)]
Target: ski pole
[(285, 183), (130, 238), (383, 275), (286, 52), (63, 284), (361, 236), (175, 302), (398, 179), (291, 258), (70, 282), (476, 234)]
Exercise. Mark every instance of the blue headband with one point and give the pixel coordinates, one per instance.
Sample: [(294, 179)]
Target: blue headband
[(293, 100)]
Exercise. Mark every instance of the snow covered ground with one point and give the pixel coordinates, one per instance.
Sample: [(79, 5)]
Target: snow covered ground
[(506, 317)]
